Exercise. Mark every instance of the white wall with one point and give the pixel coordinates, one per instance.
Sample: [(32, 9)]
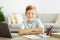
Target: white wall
[(18, 6)]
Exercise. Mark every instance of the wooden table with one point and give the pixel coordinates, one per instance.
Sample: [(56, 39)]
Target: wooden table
[(23, 38), (56, 35)]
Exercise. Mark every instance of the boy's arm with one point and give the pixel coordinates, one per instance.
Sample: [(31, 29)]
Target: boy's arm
[(24, 31), (31, 31), (38, 31)]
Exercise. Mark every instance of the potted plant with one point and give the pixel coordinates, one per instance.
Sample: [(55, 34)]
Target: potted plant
[(2, 18)]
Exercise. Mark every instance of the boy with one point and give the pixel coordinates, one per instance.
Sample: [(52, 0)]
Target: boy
[(31, 25)]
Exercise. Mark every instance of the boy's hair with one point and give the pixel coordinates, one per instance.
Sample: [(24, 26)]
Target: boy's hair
[(30, 7)]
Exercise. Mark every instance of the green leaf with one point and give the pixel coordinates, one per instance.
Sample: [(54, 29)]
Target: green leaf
[(2, 18)]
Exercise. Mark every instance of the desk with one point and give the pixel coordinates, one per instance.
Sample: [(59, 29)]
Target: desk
[(56, 35), (23, 38)]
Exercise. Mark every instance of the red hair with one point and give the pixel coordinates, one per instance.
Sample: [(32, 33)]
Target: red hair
[(30, 7)]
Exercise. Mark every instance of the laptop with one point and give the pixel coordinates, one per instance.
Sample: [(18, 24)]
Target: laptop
[(5, 32)]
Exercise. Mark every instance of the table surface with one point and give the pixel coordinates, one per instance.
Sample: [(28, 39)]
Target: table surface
[(23, 38), (56, 35)]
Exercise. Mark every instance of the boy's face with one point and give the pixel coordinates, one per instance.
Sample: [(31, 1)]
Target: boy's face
[(30, 14)]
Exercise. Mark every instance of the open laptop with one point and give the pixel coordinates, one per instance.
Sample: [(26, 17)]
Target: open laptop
[(4, 31)]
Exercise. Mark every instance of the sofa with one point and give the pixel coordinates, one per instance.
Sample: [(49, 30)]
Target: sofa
[(47, 19)]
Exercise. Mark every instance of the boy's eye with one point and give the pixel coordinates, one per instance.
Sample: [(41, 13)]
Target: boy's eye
[(30, 13)]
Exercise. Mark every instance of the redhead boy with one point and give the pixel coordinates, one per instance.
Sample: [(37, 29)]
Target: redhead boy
[(32, 25)]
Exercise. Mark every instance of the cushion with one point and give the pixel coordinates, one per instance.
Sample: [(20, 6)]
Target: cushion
[(15, 19), (57, 19)]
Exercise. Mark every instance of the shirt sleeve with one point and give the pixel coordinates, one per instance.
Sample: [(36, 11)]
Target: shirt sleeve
[(40, 25), (22, 26)]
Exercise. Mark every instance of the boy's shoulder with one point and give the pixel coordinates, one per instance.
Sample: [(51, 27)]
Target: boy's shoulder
[(36, 19)]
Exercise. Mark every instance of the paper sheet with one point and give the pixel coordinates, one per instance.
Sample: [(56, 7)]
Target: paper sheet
[(35, 36), (43, 35)]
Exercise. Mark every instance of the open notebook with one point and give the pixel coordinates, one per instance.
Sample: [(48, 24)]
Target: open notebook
[(35, 36)]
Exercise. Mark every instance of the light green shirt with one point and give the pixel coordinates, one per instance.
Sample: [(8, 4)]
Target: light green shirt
[(35, 24)]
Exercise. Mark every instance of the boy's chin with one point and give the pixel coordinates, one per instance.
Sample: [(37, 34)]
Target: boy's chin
[(30, 19)]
